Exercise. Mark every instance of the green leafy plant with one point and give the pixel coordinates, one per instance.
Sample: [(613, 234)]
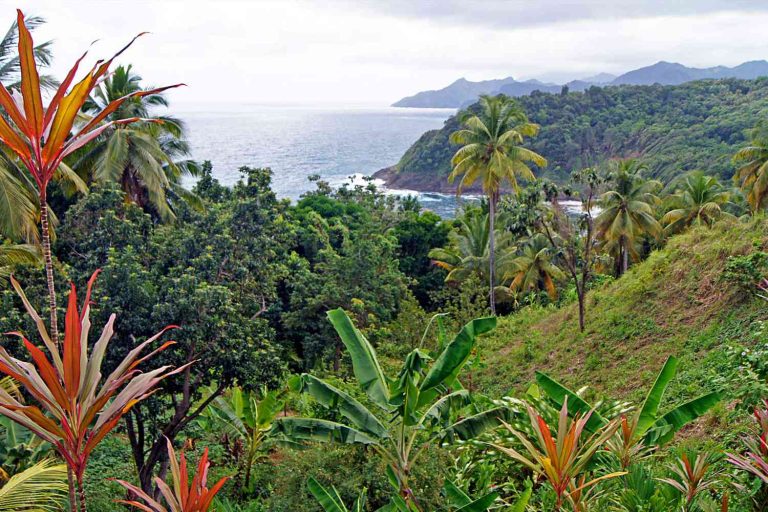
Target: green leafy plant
[(330, 500), (693, 479), (646, 428), (408, 412), (246, 416), (184, 496)]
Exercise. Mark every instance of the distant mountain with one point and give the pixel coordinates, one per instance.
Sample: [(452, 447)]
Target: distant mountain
[(455, 95), (672, 73), (462, 92)]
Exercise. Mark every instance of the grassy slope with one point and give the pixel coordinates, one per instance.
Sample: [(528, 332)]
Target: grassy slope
[(673, 303)]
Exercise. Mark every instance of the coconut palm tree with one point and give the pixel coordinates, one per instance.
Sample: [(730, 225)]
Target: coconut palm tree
[(752, 174), (628, 211), (11, 255), (699, 201), (534, 269), (39, 488), (10, 64), (491, 152), (148, 158), (468, 253)]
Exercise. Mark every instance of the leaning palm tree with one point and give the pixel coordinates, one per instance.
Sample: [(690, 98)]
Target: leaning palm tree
[(467, 253), (16, 254), (534, 269), (699, 201), (752, 174), (628, 210), (491, 152), (147, 158)]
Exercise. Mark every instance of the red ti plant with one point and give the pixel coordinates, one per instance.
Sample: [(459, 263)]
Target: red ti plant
[(755, 458), (183, 497), (562, 460), (41, 137), (77, 406)]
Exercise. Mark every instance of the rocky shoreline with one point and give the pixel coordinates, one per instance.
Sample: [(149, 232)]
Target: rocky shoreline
[(421, 182)]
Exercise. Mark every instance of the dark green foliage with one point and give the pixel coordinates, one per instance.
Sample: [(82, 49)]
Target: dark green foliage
[(747, 271), (697, 125)]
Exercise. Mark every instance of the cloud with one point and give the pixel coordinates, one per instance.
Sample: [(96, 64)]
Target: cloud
[(512, 14)]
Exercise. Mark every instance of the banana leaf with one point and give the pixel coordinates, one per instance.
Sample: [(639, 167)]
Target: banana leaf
[(311, 429), (576, 405)]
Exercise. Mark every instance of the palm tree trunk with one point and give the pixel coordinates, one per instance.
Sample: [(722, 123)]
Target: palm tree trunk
[(492, 251), (625, 255), (46, 243)]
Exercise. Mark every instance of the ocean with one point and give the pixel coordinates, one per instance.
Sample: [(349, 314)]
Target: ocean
[(341, 145)]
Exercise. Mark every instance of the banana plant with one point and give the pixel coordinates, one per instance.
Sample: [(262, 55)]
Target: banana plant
[(247, 416), (406, 413), (460, 501), (645, 430), (330, 500)]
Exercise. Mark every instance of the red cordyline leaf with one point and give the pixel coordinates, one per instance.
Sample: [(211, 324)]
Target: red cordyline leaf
[(190, 496), (42, 137), (73, 412)]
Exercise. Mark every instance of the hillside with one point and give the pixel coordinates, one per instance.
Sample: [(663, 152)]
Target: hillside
[(697, 125), (674, 303), (463, 92)]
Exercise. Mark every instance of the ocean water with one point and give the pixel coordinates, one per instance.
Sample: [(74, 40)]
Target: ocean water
[(296, 142)]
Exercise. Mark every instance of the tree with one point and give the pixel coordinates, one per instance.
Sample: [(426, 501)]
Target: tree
[(41, 137), (407, 413), (218, 289), (492, 153), (468, 252), (627, 210), (147, 158), (10, 63), (752, 173), (575, 240), (534, 268), (698, 201)]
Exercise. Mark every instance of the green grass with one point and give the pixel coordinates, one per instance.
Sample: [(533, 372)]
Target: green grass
[(674, 303)]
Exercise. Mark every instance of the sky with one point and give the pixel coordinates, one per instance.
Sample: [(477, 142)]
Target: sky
[(373, 52)]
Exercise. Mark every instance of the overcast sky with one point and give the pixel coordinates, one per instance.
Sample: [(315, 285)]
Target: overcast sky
[(373, 52)]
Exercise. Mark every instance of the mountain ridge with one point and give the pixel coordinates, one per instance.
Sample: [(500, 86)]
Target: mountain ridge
[(463, 92)]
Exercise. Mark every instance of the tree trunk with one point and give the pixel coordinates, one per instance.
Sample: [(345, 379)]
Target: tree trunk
[(81, 495), (46, 243), (581, 292), (72, 492), (625, 256), (492, 251)]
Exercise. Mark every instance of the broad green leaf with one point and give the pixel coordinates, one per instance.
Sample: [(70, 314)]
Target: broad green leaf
[(678, 417), (440, 411), (310, 429), (649, 412), (473, 426), (480, 504), (328, 499), (364, 362), (455, 496), (576, 405), (350, 408), (525, 497), (449, 363)]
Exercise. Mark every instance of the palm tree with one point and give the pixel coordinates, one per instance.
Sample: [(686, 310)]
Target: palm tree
[(12, 255), (699, 200), (491, 152), (468, 253), (38, 488), (628, 210), (148, 158), (752, 175), (10, 64), (534, 268)]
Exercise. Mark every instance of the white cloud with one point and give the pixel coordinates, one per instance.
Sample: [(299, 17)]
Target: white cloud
[(339, 52)]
